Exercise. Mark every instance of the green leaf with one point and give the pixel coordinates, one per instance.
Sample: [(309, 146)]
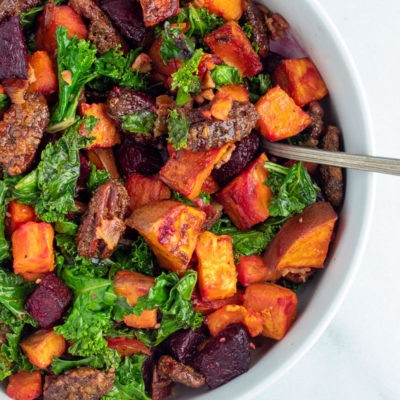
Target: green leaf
[(59, 365), (206, 198), (4, 244), (28, 17), (178, 129), (67, 227), (292, 189), (4, 101), (139, 122), (225, 75), (248, 30), (96, 178), (259, 85)]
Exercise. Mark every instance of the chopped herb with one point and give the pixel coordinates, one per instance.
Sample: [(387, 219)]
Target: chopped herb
[(140, 121), (259, 85), (225, 75), (178, 129)]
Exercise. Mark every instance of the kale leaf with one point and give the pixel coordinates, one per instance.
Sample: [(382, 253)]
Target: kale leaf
[(96, 178), (4, 244), (205, 197), (59, 365), (140, 121), (259, 85), (225, 75), (178, 129), (292, 189), (4, 101)]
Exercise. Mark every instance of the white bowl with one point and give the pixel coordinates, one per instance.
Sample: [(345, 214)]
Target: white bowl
[(320, 298)]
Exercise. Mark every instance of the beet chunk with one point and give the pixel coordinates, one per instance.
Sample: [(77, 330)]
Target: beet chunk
[(272, 62), (48, 302), (137, 158), (85, 172), (13, 53), (225, 357), (244, 152), (183, 344), (127, 16)]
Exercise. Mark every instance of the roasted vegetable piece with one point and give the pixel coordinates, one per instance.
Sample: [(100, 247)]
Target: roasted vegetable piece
[(133, 285), (13, 53), (25, 385), (161, 387), (210, 186), (186, 171), (170, 228), (277, 304), (41, 346), (246, 198), (142, 190), (233, 314), (280, 117), (105, 132), (127, 347), (301, 80), (207, 307), (236, 92), (32, 247), (83, 383), (229, 10), (231, 45), (45, 81), (252, 269), (155, 11), (216, 268), (103, 224), (303, 240), (19, 214), (9, 8), (224, 357), (172, 64), (54, 16), (48, 302)]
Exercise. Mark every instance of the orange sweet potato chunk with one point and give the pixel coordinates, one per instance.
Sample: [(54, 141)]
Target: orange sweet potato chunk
[(127, 346), (303, 240), (155, 11), (277, 304), (301, 80), (186, 171), (231, 45), (51, 19), (144, 189), (32, 248), (19, 214), (167, 69), (236, 92), (45, 81), (280, 117), (210, 186), (227, 9), (105, 132), (25, 385), (171, 229), (216, 268), (147, 319), (252, 269), (221, 107), (41, 346), (246, 198), (233, 314)]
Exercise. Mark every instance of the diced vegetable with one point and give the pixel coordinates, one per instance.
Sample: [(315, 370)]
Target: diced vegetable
[(186, 171), (280, 117), (103, 158), (171, 66), (19, 214), (128, 347), (301, 80), (277, 304), (236, 92), (231, 45), (303, 240), (170, 228), (252, 269), (221, 107), (216, 268), (210, 186), (246, 198), (41, 346), (227, 9), (25, 385), (155, 11), (32, 247), (45, 82)]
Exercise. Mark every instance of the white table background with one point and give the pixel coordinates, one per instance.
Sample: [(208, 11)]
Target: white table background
[(358, 356)]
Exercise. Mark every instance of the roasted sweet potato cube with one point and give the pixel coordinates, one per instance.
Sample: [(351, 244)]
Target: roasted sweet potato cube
[(208, 306), (246, 198), (172, 64), (45, 81), (155, 11), (105, 132), (147, 319), (210, 186), (32, 248), (53, 17), (236, 92), (277, 304), (221, 107), (144, 189), (132, 285), (19, 214), (170, 228), (280, 117), (301, 80), (41, 346), (252, 269), (186, 171), (303, 240), (232, 314), (216, 268), (227, 9), (25, 385), (127, 346), (231, 45)]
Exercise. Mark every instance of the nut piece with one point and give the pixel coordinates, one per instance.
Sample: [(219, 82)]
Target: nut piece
[(102, 226)]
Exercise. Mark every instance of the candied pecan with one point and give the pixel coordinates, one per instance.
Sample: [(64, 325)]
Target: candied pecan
[(332, 177), (214, 213), (276, 24), (8, 8), (178, 372), (103, 224), (298, 275), (316, 112), (164, 103), (161, 387)]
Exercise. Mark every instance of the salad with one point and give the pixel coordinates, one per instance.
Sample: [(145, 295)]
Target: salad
[(146, 238)]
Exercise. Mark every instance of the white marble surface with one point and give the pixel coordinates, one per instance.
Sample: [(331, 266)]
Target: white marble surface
[(358, 356)]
